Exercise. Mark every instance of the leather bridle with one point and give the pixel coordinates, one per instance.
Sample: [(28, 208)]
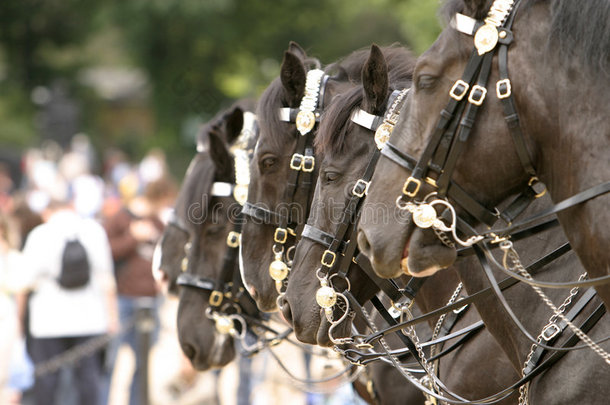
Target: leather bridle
[(436, 165), (227, 294), (302, 165)]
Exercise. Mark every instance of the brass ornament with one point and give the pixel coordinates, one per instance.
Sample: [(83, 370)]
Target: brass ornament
[(305, 121), (184, 264), (382, 135), (424, 216), (326, 297), (278, 270), (224, 325), (486, 38)]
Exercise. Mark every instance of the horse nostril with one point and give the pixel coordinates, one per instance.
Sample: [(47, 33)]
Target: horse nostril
[(285, 308)]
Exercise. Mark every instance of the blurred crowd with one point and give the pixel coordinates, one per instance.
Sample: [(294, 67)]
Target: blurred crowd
[(116, 209)]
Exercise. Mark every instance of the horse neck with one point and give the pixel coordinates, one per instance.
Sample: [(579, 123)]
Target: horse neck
[(524, 302), (572, 143), (563, 108)]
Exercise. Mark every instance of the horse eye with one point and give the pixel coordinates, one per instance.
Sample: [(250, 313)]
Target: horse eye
[(426, 82), (268, 162), (330, 177)]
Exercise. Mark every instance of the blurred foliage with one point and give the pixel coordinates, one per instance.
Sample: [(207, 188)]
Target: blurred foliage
[(197, 55)]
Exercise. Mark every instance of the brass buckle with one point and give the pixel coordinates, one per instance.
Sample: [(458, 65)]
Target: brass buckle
[(233, 239), (215, 298), (296, 163), (280, 235), (453, 92), (531, 183), (550, 331), (405, 188), (431, 181), (481, 97), (328, 258), (507, 91), (309, 162), (361, 188)]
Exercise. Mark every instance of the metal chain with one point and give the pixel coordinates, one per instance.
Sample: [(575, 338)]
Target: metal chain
[(441, 319), (439, 325), (517, 267), (429, 368), (444, 238), (75, 354), (524, 389)]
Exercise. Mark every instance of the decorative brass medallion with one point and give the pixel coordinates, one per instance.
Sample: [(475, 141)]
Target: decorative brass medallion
[(278, 270), (305, 121), (486, 38), (382, 135), (326, 297), (424, 216), (224, 325)]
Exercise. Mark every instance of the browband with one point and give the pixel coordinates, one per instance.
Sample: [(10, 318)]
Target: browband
[(366, 120), (221, 189)]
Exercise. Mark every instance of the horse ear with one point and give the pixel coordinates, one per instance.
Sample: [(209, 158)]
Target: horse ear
[(293, 77), (203, 140), (375, 81), (220, 154), (234, 122), (477, 8), (297, 50)]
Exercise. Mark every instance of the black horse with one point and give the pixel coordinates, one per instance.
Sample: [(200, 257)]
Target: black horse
[(345, 149), (542, 117)]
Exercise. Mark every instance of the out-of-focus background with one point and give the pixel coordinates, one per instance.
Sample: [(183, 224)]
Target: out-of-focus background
[(144, 73), (101, 100)]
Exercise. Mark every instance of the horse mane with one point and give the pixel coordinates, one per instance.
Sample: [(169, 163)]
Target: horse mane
[(579, 29), (335, 122)]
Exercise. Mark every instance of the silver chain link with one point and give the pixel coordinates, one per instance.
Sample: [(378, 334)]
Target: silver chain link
[(517, 267), (444, 238), (524, 389)]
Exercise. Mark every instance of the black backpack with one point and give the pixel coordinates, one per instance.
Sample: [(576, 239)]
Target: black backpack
[(75, 267)]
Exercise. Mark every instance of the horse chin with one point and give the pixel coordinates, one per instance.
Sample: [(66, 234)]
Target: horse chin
[(222, 352), (341, 330), (426, 254)]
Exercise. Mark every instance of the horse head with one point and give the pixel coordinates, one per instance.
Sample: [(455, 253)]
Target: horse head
[(208, 210), (283, 169), (454, 133), (344, 149)]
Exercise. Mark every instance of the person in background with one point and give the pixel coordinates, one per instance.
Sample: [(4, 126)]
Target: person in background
[(61, 318), (133, 232), (11, 262)]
